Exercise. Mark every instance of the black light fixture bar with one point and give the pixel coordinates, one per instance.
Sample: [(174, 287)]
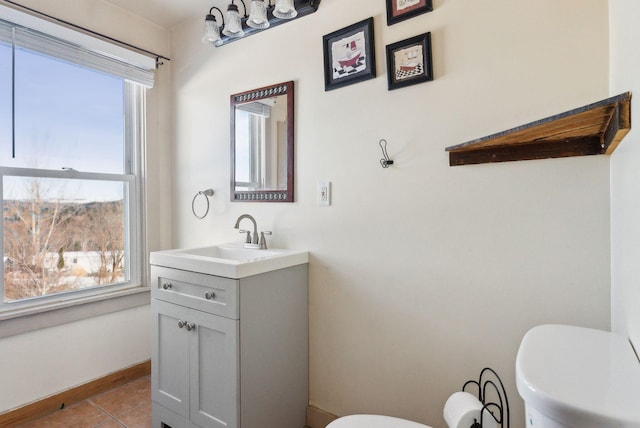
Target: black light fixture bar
[(304, 8)]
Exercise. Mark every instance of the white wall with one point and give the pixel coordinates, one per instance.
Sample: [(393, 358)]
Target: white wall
[(420, 274), (37, 364), (625, 193), (41, 363)]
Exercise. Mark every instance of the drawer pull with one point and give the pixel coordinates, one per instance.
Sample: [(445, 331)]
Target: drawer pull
[(190, 326), (181, 323), (209, 295), (167, 285)]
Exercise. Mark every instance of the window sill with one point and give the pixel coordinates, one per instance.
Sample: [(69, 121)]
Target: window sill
[(26, 319)]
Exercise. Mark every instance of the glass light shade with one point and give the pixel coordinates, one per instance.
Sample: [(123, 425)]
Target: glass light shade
[(285, 9), (258, 17), (233, 27), (211, 31)]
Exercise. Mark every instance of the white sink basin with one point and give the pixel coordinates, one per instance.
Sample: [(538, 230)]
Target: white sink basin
[(229, 260), (229, 253)]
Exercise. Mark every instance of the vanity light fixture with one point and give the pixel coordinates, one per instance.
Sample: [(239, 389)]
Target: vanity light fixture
[(234, 21), (262, 15), (212, 29), (258, 16), (284, 9)]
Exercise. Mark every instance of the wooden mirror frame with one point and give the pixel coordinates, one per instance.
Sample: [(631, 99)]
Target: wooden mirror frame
[(267, 195)]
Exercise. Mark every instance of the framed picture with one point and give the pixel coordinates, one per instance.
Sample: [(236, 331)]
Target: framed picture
[(399, 10), (349, 55), (409, 61)]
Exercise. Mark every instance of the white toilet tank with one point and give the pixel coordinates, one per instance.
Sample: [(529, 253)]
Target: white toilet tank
[(574, 377)]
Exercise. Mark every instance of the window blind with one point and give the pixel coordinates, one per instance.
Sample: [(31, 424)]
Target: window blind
[(26, 38), (255, 108)]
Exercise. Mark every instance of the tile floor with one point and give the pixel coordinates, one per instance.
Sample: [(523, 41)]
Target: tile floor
[(126, 406)]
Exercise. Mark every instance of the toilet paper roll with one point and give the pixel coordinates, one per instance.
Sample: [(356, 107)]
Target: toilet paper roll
[(462, 409)]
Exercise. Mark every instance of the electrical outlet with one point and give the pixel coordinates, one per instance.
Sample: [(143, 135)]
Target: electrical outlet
[(324, 193)]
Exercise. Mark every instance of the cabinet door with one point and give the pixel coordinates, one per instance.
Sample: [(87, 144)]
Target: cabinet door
[(214, 371), (169, 356)]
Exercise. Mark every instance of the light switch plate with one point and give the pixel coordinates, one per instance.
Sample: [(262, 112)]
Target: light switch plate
[(324, 193)]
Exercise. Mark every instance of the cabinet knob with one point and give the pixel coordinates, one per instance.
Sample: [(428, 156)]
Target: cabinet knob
[(190, 326), (167, 285), (209, 295), (181, 323)]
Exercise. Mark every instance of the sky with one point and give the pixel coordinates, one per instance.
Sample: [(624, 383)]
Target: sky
[(66, 117)]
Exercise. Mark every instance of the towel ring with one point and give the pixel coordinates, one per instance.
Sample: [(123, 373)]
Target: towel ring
[(206, 194)]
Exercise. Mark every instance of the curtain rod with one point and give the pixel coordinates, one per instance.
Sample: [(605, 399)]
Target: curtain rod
[(159, 57)]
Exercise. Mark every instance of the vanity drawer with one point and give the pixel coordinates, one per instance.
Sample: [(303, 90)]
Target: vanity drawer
[(208, 293)]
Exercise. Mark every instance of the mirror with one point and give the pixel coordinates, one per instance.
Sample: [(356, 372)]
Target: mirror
[(262, 144)]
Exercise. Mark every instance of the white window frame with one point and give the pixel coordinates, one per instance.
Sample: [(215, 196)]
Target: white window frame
[(130, 229), (31, 314), (258, 130)]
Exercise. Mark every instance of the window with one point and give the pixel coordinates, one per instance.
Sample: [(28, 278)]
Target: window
[(71, 127), (253, 128)]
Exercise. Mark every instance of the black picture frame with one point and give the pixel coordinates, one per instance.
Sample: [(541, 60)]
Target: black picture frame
[(399, 10), (349, 55), (409, 61)]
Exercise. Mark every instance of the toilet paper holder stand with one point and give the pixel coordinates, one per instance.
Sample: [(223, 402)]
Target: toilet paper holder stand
[(487, 387)]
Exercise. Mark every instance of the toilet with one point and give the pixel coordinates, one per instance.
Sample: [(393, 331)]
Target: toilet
[(462, 409), (574, 377), (373, 421)]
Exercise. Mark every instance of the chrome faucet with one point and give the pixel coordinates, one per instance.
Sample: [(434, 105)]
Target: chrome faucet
[(255, 228)]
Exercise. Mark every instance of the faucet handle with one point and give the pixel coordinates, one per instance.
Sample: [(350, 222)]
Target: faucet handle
[(248, 240), (263, 241)]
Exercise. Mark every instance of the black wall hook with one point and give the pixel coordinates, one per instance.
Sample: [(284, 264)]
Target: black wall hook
[(385, 161)]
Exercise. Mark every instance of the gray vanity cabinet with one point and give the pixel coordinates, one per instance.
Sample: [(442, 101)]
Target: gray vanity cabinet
[(229, 352), (197, 369)]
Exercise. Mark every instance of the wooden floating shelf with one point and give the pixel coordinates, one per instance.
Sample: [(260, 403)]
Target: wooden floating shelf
[(594, 129)]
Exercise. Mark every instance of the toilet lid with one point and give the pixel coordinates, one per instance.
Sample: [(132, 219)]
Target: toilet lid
[(579, 376), (373, 421)]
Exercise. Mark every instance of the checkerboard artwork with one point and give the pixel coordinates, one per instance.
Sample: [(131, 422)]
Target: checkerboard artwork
[(351, 69), (349, 55), (409, 62), (407, 72), (405, 4)]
